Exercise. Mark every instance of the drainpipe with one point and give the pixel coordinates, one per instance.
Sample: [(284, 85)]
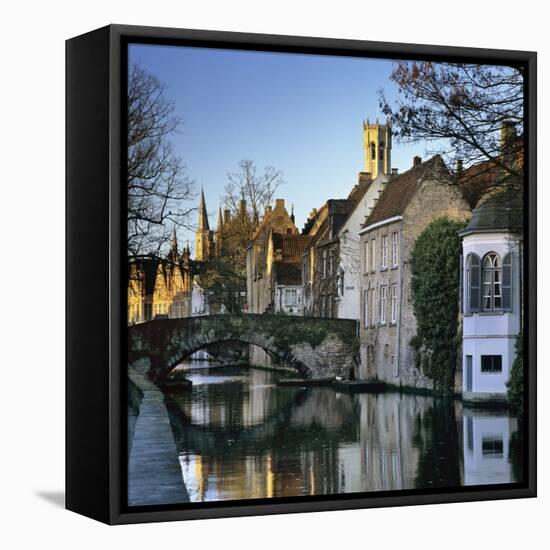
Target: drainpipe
[(400, 302)]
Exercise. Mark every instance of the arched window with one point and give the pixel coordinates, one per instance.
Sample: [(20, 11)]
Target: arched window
[(381, 150), (373, 151), (492, 282)]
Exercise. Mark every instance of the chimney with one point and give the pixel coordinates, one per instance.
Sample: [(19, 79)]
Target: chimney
[(459, 167), (394, 171), (279, 203), (363, 177), (508, 142), (242, 207), (417, 161)]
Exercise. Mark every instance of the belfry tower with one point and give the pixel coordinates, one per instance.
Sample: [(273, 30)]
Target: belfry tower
[(377, 143), (204, 237)]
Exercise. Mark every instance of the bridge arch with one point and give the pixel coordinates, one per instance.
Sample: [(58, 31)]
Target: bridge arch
[(315, 347), (301, 369)]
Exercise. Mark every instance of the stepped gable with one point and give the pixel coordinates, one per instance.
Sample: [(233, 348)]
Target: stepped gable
[(400, 189)]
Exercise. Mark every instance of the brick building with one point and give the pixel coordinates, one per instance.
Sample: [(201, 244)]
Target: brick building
[(407, 205)]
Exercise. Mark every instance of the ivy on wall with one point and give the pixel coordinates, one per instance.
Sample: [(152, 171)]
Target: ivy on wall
[(435, 296), (515, 383)]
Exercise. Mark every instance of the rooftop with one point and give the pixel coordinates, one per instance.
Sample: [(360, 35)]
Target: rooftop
[(502, 211), (400, 189)]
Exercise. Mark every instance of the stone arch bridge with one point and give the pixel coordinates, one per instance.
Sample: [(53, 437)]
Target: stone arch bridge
[(315, 347)]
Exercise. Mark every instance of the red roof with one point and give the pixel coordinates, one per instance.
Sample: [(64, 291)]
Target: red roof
[(475, 181), (292, 246)]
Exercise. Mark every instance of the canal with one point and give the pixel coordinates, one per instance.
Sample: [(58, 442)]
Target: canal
[(238, 435)]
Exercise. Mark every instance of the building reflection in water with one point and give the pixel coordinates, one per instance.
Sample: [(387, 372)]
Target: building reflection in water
[(486, 444), (240, 436)]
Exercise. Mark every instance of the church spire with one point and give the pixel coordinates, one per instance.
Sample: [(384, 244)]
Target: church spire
[(203, 216), (204, 237), (174, 245)]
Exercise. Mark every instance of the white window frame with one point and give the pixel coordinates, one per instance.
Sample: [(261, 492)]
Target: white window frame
[(367, 245), (291, 297), (373, 255), (366, 308), (491, 282), (394, 249), (384, 252), (373, 306), (383, 303), (393, 298)]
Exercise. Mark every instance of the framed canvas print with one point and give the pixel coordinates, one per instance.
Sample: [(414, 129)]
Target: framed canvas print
[(301, 274)]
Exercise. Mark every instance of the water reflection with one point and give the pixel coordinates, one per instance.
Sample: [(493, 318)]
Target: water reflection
[(241, 436)]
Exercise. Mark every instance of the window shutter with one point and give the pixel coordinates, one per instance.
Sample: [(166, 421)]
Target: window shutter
[(507, 282), (461, 290), (475, 283)]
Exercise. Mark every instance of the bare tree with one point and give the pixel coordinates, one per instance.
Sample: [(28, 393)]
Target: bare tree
[(461, 109), (158, 187), (256, 189)]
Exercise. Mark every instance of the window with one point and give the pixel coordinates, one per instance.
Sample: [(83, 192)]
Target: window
[(323, 306), (372, 254), (367, 244), (492, 446), (384, 252), (393, 303), (394, 250), (492, 282), (372, 307), (340, 281), (324, 263), (383, 303), (329, 262), (291, 297), (381, 155), (491, 363), (366, 308), (373, 151)]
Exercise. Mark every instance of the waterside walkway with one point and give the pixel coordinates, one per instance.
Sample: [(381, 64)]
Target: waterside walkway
[(154, 473)]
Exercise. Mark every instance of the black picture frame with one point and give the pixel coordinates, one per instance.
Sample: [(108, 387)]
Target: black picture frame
[(95, 282)]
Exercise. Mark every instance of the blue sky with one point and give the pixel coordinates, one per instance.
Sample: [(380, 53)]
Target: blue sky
[(302, 114)]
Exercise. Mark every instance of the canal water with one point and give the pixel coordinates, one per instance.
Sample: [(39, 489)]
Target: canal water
[(238, 435)]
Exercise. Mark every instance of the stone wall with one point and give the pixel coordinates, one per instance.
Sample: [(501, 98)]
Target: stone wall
[(386, 349)]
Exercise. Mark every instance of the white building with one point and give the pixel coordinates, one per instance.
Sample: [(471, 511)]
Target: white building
[(199, 303), (349, 268), (487, 447), (491, 298)]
